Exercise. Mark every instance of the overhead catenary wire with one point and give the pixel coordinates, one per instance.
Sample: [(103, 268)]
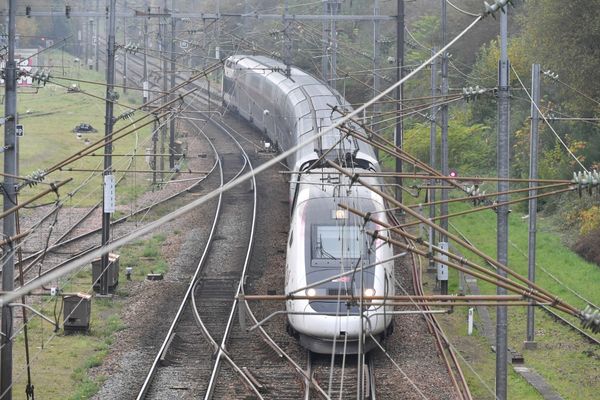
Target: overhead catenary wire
[(461, 10), (408, 210), (547, 122), (153, 225)]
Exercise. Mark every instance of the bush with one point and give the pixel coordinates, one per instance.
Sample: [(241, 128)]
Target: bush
[(587, 246)]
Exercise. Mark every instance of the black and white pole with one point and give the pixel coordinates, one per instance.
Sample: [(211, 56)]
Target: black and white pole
[(9, 225), (109, 179), (533, 174), (502, 211)]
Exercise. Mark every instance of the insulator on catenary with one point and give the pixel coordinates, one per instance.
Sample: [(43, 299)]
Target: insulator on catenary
[(586, 180), (498, 5), (590, 319)]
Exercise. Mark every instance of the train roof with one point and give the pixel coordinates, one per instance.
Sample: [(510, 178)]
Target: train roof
[(301, 86)]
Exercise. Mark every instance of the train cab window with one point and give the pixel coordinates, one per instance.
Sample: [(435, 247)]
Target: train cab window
[(331, 244)]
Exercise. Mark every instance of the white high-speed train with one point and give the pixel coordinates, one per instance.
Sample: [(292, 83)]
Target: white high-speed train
[(324, 240)]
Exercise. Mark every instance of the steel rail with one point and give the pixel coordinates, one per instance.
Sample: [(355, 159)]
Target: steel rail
[(39, 254), (266, 337), (220, 348), (60, 243), (435, 328), (150, 375), (211, 385)]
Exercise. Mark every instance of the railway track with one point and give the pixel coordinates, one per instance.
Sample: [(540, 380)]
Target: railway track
[(451, 363), (78, 245), (205, 309), (264, 343), (274, 367), (340, 377)]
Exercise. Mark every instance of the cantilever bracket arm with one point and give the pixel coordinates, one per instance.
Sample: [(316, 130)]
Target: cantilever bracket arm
[(36, 312)]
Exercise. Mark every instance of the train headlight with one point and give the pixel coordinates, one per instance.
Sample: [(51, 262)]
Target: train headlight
[(370, 292), (339, 214), (311, 292)]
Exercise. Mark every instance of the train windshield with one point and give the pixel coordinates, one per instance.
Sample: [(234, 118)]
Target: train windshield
[(333, 243)]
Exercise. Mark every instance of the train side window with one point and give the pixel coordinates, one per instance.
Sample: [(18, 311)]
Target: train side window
[(291, 238)]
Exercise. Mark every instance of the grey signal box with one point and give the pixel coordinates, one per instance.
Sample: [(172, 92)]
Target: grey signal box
[(77, 312), (112, 271)]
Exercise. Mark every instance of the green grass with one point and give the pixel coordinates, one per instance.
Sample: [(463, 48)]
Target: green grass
[(49, 118), (60, 367), (568, 363)]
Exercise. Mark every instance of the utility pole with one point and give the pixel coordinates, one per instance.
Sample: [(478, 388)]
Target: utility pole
[(287, 43), (245, 20), (399, 134), (90, 45), (108, 200), (325, 43), (125, 50), (172, 95), (97, 36), (9, 198), (444, 123), (163, 53), (502, 211), (533, 174), (154, 150), (86, 41), (433, 150), (329, 65), (335, 7), (145, 84), (376, 64), (217, 31)]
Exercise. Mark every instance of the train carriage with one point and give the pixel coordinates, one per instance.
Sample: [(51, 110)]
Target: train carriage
[(329, 252)]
